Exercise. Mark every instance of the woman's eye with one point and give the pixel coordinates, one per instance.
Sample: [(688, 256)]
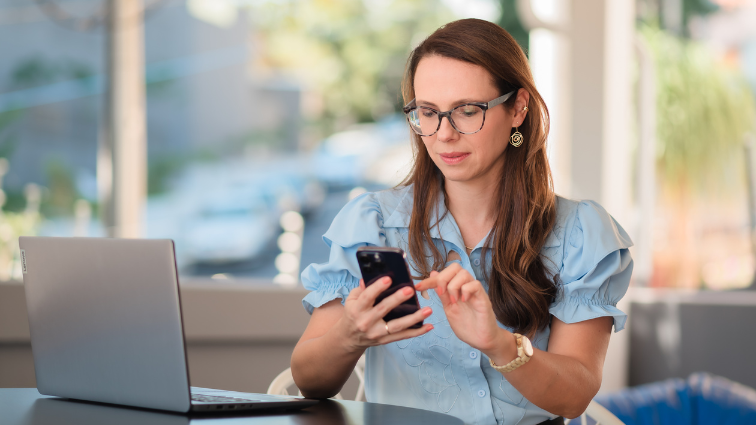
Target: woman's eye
[(427, 113), (469, 111)]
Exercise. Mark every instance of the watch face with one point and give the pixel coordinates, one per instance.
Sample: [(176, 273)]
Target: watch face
[(527, 347)]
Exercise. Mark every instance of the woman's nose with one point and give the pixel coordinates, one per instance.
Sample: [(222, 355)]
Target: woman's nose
[(446, 131)]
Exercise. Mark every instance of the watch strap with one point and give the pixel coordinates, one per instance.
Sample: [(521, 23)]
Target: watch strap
[(521, 359)]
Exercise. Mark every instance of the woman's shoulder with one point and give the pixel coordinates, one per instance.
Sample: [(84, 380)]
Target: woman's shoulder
[(363, 218), (595, 267), (586, 222), (566, 211), (394, 205), (394, 199)]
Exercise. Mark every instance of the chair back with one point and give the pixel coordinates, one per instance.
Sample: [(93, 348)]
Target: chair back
[(598, 415), (284, 381)]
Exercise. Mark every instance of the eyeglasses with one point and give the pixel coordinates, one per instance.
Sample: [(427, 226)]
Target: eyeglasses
[(466, 119)]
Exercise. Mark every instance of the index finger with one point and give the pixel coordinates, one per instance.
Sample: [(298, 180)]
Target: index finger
[(447, 274), (440, 280), (370, 294), (428, 283)]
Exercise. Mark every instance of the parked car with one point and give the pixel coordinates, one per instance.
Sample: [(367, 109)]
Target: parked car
[(231, 225), (353, 157)]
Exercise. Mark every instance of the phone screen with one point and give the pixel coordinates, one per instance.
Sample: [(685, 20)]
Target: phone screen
[(377, 262)]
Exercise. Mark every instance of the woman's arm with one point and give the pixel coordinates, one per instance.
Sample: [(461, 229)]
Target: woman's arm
[(562, 380), (337, 335), (321, 363)]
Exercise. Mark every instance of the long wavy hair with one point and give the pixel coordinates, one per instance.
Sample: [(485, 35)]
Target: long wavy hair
[(520, 287)]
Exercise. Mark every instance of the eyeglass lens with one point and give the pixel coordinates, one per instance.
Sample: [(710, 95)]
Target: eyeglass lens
[(465, 119)]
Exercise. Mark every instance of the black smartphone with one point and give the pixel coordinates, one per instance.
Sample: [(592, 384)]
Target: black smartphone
[(376, 262)]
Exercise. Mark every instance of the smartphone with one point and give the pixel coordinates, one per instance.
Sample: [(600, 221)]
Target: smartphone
[(376, 262)]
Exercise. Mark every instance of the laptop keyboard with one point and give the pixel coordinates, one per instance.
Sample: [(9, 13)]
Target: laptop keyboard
[(220, 399)]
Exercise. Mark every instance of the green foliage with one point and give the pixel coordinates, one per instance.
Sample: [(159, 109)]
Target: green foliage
[(510, 21), (159, 173), (260, 139), (15, 201), (37, 71), (161, 88), (651, 12), (20, 224), (351, 54), (704, 110), (7, 146), (691, 8), (7, 141), (161, 169), (62, 192)]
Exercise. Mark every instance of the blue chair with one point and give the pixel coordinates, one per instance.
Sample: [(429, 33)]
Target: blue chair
[(702, 399)]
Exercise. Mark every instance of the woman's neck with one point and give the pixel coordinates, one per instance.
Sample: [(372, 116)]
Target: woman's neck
[(472, 206)]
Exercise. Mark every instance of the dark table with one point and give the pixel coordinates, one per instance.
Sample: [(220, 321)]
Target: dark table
[(25, 406)]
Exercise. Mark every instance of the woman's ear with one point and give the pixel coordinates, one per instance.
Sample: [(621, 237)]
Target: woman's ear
[(520, 107)]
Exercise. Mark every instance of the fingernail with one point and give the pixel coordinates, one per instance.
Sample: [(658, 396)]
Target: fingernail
[(407, 291), (427, 311), (430, 327), (386, 280), (453, 299)]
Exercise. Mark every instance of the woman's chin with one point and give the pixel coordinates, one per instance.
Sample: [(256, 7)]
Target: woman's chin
[(457, 176)]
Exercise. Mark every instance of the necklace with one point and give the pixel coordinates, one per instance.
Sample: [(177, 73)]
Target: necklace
[(469, 248)]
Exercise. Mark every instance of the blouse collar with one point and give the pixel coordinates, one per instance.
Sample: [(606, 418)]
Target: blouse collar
[(447, 229)]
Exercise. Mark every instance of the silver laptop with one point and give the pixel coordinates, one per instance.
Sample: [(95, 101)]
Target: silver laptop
[(105, 322)]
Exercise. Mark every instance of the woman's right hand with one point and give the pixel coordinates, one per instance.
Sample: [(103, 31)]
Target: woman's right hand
[(363, 323)]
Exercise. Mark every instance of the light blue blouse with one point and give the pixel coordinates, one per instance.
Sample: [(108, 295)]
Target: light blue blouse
[(437, 371)]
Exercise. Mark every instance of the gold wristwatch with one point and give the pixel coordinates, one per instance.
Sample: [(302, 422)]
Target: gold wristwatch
[(524, 353)]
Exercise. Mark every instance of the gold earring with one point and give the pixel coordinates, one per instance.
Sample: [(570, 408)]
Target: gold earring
[(516, 138)]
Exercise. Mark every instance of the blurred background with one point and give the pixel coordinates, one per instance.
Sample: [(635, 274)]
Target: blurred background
[(239, 128), (257, 107)]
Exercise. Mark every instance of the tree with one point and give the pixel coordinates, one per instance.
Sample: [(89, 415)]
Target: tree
[(349, 55)]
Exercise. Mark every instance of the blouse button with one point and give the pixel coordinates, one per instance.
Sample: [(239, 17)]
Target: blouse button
[(473, 354), (476, 262), (481, 393)]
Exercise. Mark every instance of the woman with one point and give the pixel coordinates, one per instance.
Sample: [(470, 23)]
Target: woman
[(505, 262)]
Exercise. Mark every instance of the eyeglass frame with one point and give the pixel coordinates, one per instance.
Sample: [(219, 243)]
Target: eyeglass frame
[(483, 105)]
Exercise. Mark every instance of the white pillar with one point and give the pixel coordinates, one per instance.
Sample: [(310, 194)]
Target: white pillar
[(549, 57), (122, 155), (643, 230), (595, 138), (619, 111), (602, 37), (602, 67)]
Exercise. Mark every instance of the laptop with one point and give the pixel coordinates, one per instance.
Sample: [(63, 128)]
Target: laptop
[(106, 326)]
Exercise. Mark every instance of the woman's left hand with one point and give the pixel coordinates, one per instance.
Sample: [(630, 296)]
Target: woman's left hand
[(467, 307)]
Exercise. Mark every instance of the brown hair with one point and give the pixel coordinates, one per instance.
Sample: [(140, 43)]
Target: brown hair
[(519, 286)]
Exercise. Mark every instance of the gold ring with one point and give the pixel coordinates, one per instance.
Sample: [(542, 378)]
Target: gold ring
[(387, 331)]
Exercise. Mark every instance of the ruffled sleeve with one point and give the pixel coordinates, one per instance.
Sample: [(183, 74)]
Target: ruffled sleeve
[(596, 268), (359, 223)]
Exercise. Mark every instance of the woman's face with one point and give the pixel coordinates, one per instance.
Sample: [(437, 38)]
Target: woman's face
[(442, 83)]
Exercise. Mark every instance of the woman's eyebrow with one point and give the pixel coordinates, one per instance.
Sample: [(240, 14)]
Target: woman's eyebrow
[(455, 103)]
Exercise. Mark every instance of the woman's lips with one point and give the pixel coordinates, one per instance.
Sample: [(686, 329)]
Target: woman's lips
[(453, 157)]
